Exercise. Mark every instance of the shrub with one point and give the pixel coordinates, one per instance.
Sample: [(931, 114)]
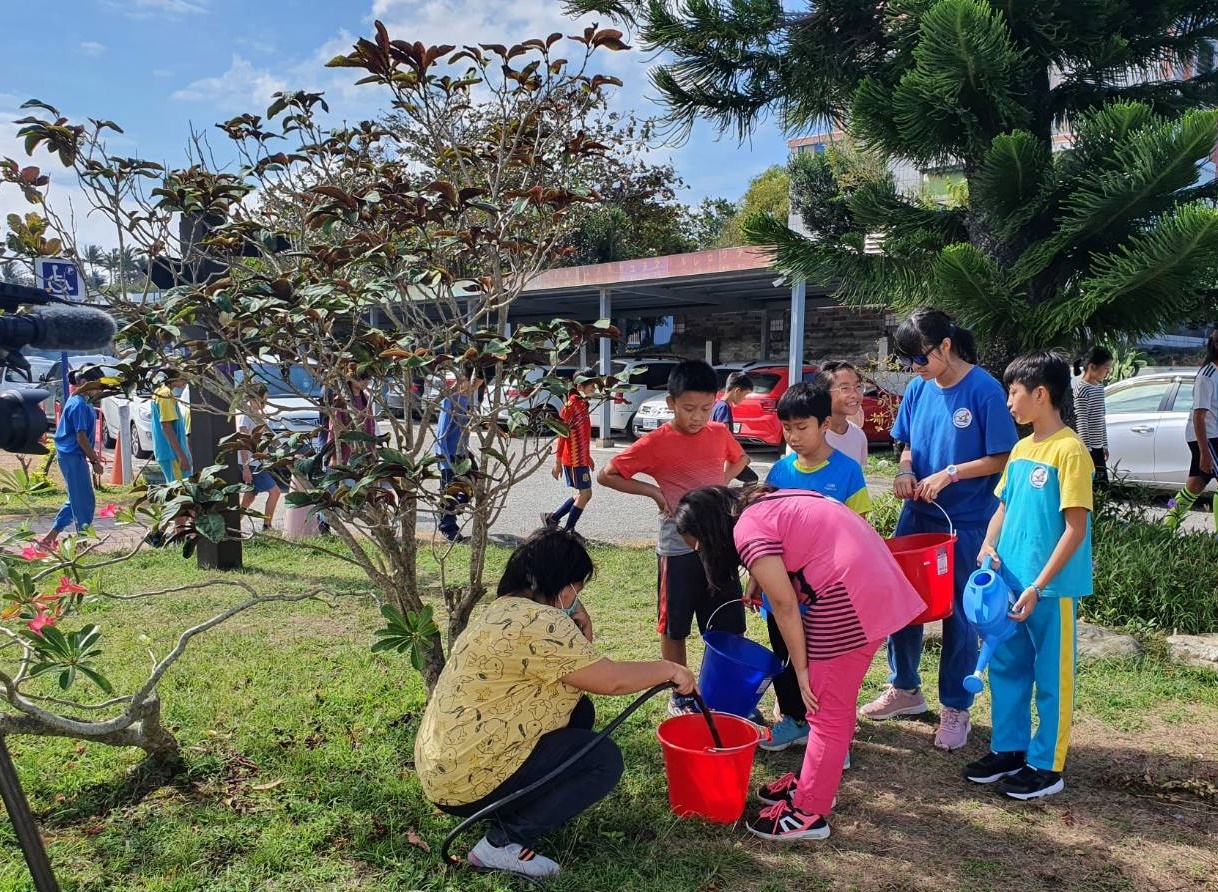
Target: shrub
[(885, 509), (1147, 576)]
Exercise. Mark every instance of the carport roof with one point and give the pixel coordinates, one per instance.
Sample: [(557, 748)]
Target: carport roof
[(722, 280)]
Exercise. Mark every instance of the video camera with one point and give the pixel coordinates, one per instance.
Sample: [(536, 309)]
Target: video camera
[(54, 325)]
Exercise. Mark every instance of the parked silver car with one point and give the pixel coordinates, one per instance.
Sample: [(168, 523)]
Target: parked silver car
[(1146, 418)]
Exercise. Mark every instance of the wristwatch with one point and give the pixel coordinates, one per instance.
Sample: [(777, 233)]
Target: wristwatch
[(953, 472)]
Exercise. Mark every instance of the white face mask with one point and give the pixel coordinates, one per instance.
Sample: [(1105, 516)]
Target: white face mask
[(177, 391), (569, 611)]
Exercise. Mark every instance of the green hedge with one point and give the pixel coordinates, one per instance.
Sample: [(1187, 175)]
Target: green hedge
[(1148, 577)]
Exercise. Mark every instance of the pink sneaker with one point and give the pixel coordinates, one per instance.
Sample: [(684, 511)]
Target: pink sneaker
[(953, 728), (894, 702)]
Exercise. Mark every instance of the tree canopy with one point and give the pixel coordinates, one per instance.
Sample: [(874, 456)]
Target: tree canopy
[(1079, 128)]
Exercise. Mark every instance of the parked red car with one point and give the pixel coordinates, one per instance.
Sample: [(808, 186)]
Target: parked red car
[(757, 421)]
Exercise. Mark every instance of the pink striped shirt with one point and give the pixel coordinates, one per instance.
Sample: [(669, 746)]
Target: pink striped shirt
[(838, 565)]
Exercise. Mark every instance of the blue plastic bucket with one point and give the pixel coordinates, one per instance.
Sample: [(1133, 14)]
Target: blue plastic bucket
[(735, 673)]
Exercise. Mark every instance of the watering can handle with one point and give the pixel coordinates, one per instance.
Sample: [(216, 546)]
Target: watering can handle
[(711, 620), (987, 563)]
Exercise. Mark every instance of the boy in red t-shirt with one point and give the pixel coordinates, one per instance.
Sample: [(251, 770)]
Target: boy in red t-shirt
[(689, 452), (573, 453)]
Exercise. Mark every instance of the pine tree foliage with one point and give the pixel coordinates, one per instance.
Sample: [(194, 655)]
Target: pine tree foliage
[(1112, 230)]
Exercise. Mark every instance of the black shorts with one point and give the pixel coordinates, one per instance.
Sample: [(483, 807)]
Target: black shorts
[(1194, 467), (578, 477), (682, 593)]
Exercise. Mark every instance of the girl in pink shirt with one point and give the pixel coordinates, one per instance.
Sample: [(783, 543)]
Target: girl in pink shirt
[(804, 549)]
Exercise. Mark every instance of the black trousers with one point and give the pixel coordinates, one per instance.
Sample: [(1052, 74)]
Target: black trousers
[(453, 496), (1101, 467), (786, 685), (574, 791)]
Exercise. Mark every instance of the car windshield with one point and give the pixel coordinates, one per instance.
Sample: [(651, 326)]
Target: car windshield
[(763, 382), (297, 383)]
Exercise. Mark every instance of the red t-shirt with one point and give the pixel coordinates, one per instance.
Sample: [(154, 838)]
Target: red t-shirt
[(679, 462)]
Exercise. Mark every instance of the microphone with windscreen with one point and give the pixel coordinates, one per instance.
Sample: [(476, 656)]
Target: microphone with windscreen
[(58, 327)]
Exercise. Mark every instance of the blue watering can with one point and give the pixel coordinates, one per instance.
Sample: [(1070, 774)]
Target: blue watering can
[(987, 599)]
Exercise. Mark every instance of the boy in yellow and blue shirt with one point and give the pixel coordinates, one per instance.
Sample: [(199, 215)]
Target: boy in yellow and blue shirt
[(1040, 540), (814, 465)]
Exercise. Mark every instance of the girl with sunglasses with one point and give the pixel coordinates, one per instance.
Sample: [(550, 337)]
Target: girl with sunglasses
[(957, 433)]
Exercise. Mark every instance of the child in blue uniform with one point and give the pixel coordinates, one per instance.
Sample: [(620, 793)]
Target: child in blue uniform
[(1040, 539), (957, 430)]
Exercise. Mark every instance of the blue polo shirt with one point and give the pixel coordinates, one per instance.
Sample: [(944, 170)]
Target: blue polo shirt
[(950, 426), (77, 417), (1040, 482)]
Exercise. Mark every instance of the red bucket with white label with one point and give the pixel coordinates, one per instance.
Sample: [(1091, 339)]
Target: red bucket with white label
[(928, 561)]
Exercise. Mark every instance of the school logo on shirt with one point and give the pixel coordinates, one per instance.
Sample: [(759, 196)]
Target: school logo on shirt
[(1039, 476), (962, 418)]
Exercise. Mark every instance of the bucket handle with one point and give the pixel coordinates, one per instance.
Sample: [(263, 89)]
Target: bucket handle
[(711, 619), (951, 527)]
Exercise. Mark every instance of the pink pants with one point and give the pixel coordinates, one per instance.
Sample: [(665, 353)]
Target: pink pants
[(836, 684)]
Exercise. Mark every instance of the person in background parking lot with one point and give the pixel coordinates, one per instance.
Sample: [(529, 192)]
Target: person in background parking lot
[(252, 473), (1201, 433), (1090, 421), (76, 453), (452, 446), (738, 386), (573, 453)]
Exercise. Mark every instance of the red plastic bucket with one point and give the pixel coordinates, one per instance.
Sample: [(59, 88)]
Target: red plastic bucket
[(703, 781), (928, 561)]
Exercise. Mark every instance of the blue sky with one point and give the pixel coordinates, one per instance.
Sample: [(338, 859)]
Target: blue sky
[(161, 67)]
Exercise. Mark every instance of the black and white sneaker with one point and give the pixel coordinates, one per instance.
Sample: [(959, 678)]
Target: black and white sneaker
[(993, 767), (1032, 783)]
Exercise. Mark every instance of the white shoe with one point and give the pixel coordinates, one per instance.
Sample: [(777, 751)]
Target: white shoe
[(513, 858)]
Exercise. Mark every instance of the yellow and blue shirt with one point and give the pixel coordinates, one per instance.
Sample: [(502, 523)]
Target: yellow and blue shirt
[(838, 477), (1040, 482)]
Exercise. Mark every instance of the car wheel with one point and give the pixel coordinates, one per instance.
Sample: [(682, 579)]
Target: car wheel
[(630, 431), (137, 448), (538, 425), (107, 437)]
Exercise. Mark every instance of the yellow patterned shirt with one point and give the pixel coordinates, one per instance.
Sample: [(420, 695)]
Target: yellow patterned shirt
[(500, 691)]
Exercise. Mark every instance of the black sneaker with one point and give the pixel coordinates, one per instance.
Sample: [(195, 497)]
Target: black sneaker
[(1032, 783), (780, 790), (994, 767)]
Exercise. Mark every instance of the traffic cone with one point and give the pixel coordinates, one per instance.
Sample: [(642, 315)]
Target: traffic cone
[(116, 472)]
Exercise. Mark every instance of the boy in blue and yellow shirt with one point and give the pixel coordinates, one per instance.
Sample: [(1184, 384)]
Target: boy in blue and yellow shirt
[(814, 465), (1040, 540)]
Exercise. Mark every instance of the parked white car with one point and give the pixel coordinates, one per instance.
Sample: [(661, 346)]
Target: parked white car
[(654, 410), (293, 406), (1146, 418)]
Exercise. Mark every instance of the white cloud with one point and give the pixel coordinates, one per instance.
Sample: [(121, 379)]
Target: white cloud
[(92, 48), (239, 88)]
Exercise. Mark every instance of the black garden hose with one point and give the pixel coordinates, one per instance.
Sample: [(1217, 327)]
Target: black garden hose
[(559, 769)]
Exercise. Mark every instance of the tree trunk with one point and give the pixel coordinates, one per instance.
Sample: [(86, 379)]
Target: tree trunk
[(145, 731), (433, 663)]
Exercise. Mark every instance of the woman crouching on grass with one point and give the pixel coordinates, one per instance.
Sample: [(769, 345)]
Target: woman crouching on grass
[(805, 549), (510, 705)]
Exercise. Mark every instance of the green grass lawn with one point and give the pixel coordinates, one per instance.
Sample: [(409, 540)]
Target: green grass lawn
[(298, 746)]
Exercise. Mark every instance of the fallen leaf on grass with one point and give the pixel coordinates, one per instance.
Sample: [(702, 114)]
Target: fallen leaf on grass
[(270, 785), (417, 841)]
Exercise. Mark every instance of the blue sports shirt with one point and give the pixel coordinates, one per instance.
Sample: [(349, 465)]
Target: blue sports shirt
[(77, 416), (452, 430), (1040, 482), (951, 426)]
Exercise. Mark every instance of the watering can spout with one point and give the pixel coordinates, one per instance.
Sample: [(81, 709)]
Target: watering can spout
[(987, 599)]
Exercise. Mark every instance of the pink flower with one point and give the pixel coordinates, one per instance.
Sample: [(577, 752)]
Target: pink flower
[(37, 623), (68, 587), (34, 553), (108, 510)]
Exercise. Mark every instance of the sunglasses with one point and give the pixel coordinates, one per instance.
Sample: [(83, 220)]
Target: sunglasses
[(916, 359)]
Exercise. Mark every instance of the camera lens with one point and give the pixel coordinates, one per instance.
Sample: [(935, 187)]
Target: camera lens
[(22, 421)]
